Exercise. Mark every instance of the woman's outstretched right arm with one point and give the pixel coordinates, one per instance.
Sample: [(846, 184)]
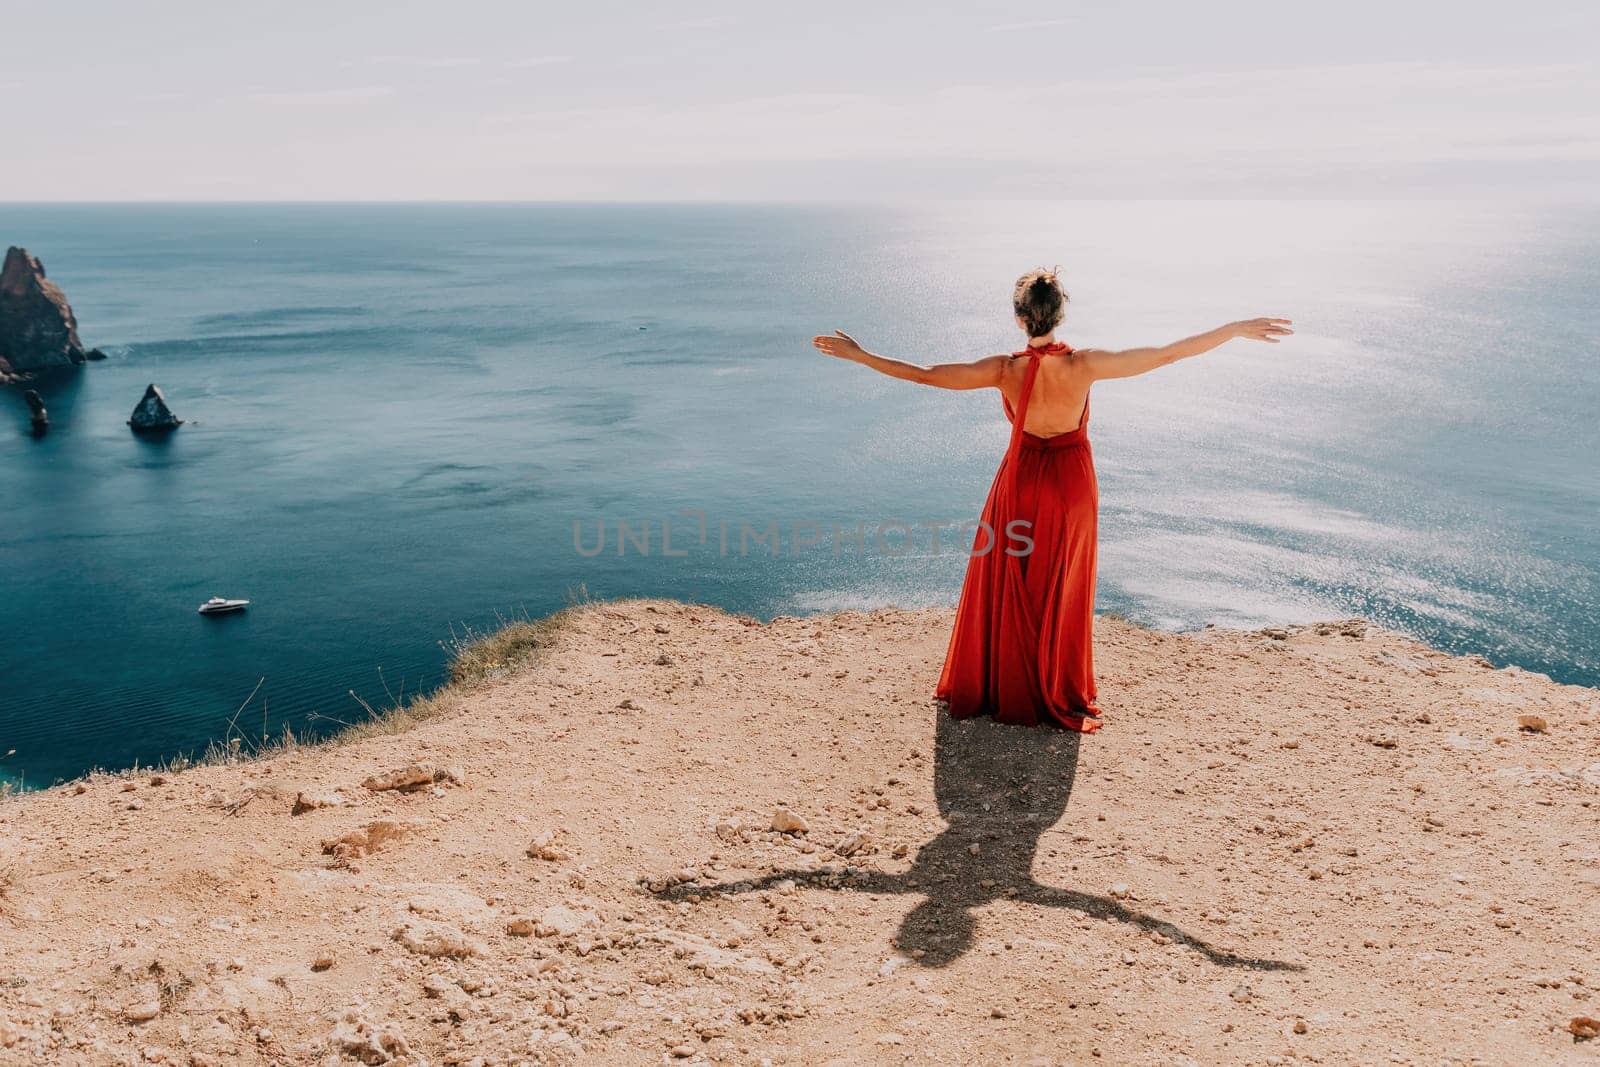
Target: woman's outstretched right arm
[(978, 374), (1131, 361)]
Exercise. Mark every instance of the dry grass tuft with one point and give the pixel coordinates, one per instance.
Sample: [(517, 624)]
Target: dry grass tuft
[(476, 656), (481, 656)]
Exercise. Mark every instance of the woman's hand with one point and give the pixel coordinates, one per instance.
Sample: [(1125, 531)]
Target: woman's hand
[(841, 346), (1268, 330)]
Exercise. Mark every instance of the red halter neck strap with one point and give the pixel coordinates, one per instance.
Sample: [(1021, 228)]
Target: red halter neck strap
[(1020, 415)]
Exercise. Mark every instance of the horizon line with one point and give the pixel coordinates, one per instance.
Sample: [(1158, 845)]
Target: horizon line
[(1541, 198)]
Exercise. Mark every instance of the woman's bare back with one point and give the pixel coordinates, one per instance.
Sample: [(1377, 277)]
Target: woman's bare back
[(1060, 392)]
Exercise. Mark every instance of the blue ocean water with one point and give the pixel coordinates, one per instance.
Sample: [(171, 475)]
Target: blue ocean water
[(397, 413)]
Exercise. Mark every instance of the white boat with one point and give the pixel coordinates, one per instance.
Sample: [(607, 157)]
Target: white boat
[(219, 606)]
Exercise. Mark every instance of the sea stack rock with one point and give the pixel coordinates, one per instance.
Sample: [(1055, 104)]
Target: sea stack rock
[(37, 327), (36, 411), (152, 415)]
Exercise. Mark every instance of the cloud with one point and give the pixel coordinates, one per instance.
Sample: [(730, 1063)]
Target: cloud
[(1392, 129), (709, 22), (1248, 131), (431, 62), (1564, 146), (1036, 24), (321, 96), (539, 61)]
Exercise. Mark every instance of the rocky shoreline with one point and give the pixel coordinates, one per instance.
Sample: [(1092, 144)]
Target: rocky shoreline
[(39, 334), (675, 835), (38, 330)]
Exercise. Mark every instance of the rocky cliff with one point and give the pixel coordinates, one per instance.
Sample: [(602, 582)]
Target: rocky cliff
[(677, 836), (37, 328)]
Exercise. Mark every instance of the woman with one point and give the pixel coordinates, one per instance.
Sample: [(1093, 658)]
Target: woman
[(1022, 648)]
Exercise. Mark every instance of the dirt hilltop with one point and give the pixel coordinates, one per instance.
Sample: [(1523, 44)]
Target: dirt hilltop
[(1327, 844)]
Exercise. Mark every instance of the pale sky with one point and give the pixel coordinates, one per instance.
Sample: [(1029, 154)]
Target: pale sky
[(358, 100)]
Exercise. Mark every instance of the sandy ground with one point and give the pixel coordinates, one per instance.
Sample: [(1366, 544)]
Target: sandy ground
[(1330, 845)]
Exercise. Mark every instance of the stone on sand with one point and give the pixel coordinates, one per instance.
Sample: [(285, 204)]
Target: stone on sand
[(304, 802), (411, 776), (368, 839), (371, 1043), (546, 845), (438, 940), (785, 821), (851, 843), (560, 920)]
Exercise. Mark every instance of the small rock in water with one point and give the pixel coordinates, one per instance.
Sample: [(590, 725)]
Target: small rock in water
[(37, 415), (151, 415), (787, 822), (413, 776), (1534, 724)]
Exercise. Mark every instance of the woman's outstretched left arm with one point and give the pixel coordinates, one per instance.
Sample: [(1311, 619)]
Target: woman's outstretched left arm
[(978, 374), (1132, 361)]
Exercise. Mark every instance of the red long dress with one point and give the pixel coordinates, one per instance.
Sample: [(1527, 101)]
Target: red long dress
[(1022, 649)]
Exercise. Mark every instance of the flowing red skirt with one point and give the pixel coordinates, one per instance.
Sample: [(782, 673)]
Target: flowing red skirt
[(1022, 649)]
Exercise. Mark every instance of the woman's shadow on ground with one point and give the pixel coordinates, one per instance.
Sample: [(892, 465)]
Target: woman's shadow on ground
[(999, 788)]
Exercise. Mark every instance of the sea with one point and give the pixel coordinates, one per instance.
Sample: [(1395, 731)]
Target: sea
[(409, 423)]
